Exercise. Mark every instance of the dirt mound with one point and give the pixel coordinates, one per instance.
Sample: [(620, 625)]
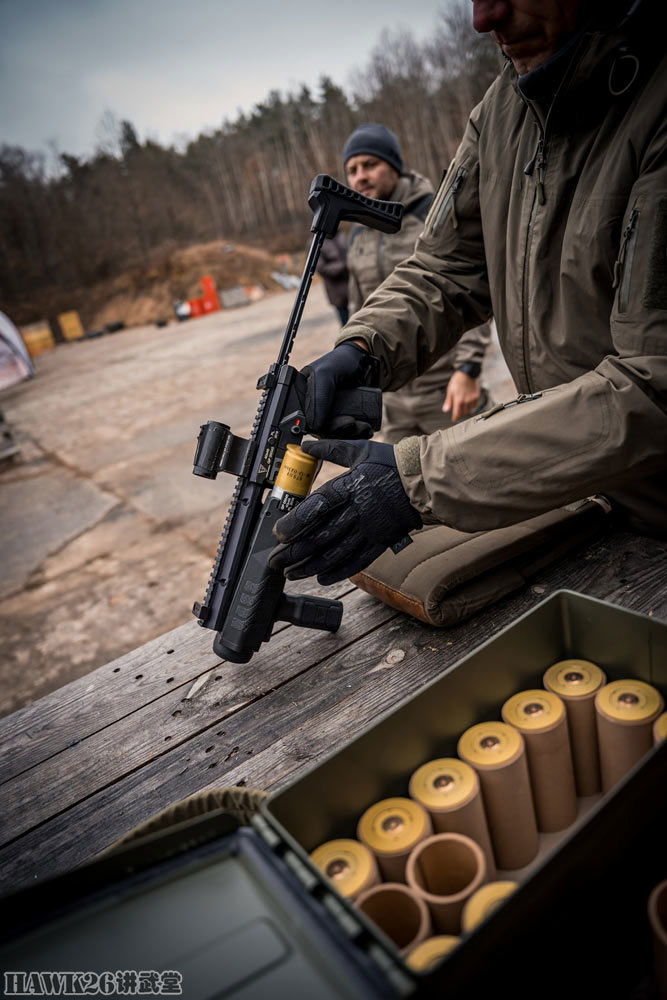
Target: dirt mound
[(146, 294)]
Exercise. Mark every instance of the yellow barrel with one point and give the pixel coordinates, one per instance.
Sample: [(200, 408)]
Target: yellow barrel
[(70, 324), (484, 902), (297, 471), (429, 952), (626, 711), (498, 754), (348, 864), (577, 682), (540, 718), (660, 728), (449, 789), (38, 338), (390, 829)]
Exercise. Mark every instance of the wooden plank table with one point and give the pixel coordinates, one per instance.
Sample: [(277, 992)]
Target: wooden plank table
[(85, 764)]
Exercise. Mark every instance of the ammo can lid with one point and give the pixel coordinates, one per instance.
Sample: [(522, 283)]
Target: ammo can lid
[(574, 678), (533, 711), (490, 744), (428, 952), (482, 903), (444, 784), (393, 826), (630, 701), (347, 863)]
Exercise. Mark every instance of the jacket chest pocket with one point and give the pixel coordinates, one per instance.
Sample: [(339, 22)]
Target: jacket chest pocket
[(624, 261), (444, 203)]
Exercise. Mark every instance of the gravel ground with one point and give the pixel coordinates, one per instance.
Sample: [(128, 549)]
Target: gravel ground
[(106, 536)]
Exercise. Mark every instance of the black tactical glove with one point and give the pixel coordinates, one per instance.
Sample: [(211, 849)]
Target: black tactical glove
[(346, 367), (349, 521)]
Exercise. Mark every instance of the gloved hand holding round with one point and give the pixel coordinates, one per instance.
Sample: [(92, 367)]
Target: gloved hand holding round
[(349, 521)]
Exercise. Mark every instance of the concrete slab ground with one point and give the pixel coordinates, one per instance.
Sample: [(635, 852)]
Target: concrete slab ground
[(106, 537), (56, 504)]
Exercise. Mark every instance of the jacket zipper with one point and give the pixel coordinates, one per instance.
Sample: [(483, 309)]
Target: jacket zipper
[(539, 162), (523, 397), (525, 297), (449, 200), (623, 264)]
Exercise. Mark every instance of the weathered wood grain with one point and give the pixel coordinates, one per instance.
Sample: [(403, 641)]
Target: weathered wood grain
[(62, 719), (110, 813), (162, 725)]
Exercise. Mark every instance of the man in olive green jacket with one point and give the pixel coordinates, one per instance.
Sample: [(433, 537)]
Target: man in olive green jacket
[(554, 213), (451, 388)]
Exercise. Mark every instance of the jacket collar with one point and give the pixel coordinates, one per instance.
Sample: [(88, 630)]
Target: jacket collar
[(411, 187)]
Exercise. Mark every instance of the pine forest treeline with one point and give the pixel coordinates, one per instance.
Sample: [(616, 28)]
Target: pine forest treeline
[(132, 201)]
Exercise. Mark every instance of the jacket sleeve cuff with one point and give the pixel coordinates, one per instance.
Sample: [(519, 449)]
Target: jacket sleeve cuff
[(472, 346), (471, 368), (408, 460), (354, 331)]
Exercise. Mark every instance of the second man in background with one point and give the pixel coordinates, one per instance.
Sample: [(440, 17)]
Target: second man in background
[(451, 388)]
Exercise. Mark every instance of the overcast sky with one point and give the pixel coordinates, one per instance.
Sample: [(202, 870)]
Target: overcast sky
[(175, 67)]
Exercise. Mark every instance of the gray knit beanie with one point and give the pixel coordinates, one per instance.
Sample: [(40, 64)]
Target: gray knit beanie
[(376, 140)]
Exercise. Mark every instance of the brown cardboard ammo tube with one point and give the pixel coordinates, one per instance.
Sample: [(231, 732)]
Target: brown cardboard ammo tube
[(398, 912), (625, 713), (540, 718), (445, 870), (498, 754), (657, 915), (449, 789), (390, 829), (577, 682)]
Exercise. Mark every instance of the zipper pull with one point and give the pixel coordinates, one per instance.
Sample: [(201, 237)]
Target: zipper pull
[(458, 180), (627, 233), (530, 166), (489, 413), (541, 162), (618, 267), (523, 397)]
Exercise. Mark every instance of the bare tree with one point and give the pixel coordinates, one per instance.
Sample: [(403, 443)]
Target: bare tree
[(83, 221)]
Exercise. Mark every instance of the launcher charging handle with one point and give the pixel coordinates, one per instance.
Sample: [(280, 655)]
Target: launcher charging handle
[(332, 203)]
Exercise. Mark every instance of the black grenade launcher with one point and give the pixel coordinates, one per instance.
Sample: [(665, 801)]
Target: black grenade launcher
[(245, 597)]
